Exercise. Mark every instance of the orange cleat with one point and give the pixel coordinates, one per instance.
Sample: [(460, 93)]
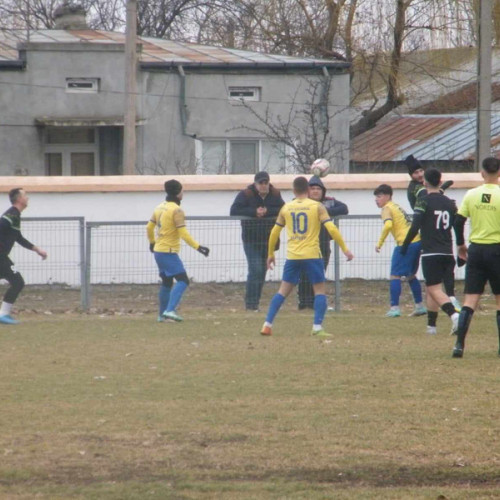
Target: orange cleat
[(266, 330)]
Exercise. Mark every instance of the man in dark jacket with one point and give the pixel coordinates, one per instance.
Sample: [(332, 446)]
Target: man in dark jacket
[(261, 201), (317, 192)]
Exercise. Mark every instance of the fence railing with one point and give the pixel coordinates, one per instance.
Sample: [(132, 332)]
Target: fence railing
[(84, 255)]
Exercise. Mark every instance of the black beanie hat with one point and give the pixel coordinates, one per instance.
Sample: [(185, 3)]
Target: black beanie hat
[(412, 163), (173, 187)]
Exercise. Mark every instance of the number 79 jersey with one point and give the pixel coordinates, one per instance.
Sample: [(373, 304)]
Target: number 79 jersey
[(302, 218), (438, 214)]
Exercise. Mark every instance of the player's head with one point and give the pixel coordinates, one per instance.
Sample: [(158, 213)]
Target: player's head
[(432, 177), (490, 166), (18, 197), (415, 168), (300, 186), (383, 194), (173, 189), (317, 190), (261, 182)]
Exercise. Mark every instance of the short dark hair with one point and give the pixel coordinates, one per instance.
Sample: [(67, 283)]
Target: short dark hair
[(300, 185), (433, 176), (14, 194), (383, 189), (491, 165)]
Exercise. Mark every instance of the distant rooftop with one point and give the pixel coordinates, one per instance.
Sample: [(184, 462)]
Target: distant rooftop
[(160, 51)]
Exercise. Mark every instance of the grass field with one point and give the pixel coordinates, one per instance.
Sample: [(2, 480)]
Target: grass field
[(125, 408)]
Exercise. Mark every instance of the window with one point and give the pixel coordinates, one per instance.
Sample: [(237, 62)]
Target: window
[(82, 85), (244, 93)]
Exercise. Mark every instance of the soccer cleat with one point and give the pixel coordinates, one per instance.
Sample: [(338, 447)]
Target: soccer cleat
[(172, 315), (160, 319), (458, 351), (431, 330), (321, 334), (266, 331), (418, 311), (393, 313), (7, 319), (454, 325), (456, 304)]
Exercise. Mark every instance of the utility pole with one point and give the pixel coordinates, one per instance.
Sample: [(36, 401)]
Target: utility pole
[(129, 137), (483, 137)]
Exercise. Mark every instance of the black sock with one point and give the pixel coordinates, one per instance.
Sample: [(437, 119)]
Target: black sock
[(448, 308), (498, 327), (463, 324), (431, 318)]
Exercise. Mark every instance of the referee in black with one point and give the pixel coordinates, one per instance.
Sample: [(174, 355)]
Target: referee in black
[(10, 233), (482, 206), (434, 216)]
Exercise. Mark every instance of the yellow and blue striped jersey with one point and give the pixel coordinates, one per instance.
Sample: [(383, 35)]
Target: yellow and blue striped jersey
[(397, 222)]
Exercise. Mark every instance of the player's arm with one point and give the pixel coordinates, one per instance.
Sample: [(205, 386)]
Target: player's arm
[(336, 207), (385, 232), (333, 231), (180, 224), (241, 206), (150, 231), (273, 239), (416, 224)]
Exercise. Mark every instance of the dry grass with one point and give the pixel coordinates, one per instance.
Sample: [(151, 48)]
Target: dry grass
[(119, 408)]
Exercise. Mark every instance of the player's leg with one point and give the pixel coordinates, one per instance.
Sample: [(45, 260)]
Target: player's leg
[(261, 270), (495, 287), (305, 292), (395, 284), (432, 314), (315, 269), (410, 264), (181, 284), (291, 276), (164, 293), (16, 284), (253, 286), (449, 287)]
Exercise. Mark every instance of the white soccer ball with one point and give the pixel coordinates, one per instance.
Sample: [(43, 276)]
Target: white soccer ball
[(320, 167)]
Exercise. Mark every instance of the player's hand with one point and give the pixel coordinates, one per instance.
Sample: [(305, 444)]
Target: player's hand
[(462, 252), (261, 211), (40, 252), (203, 250), (349, 255), (152, 247), (377, 249), (270, 263)]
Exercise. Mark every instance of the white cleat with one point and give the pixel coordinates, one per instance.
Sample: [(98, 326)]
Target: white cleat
[(431, 330)]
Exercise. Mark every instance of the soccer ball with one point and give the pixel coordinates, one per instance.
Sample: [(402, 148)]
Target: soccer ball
[(320, 167)]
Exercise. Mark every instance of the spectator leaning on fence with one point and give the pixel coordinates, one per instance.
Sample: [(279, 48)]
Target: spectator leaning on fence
[(10, 233), (482, 206), (317, 192), (262, 201), (303, 219), (403, 267), (165, 230)]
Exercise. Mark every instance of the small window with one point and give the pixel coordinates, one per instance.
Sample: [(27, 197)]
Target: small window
[(83, 85), (244, 93)]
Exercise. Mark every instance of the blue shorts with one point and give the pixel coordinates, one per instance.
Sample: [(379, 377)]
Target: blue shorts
[(406, 265), (313, 268), (169, 264)]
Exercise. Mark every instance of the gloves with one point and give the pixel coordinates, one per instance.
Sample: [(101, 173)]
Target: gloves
[(460, 262), (446, 185), (203, 250), (152, 247)]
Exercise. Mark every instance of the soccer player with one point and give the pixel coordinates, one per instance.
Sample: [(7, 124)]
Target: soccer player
[(168, 223), (433, 217), (10, 233), (482, 206), (403, 267), (303, 219)]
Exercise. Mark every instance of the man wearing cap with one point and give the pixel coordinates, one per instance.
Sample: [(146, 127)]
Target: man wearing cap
[(165, 230), (317, 192), (262, 202)]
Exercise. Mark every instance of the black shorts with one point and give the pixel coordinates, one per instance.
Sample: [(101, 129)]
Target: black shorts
[(436, 267), (6, 270), (483, 264)]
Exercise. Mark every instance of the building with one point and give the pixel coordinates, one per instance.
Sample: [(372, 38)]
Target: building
[(200, 109)]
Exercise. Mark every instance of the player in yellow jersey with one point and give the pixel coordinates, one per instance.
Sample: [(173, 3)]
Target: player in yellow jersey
[(403, 267), (303, 219), (482, 206), (165, 230)]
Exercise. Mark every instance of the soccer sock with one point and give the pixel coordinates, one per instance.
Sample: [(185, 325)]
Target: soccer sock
[(416, 290), (163, 298), (395, 291), (464, 320), (5, 309), (320, 306), (498, 327), (274, 307), (176, 295), (432, 318), (449, 309)]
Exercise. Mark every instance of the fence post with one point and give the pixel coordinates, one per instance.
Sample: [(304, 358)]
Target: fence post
[(336, 269), (86, 271), (83, 262)]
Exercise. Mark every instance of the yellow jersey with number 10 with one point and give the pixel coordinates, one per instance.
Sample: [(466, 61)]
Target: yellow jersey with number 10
[(303, 218)]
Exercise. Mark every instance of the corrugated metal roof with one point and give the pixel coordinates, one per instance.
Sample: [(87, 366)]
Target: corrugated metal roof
[(154, 50), (427, 137)]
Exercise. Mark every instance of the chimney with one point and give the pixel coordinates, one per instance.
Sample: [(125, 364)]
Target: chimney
[(70, 16)]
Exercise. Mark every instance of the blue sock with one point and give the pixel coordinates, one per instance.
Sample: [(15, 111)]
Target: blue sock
[(416, 290), (274, 307), (395, 291), (176, 295), (320, 306), (163, 298)]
